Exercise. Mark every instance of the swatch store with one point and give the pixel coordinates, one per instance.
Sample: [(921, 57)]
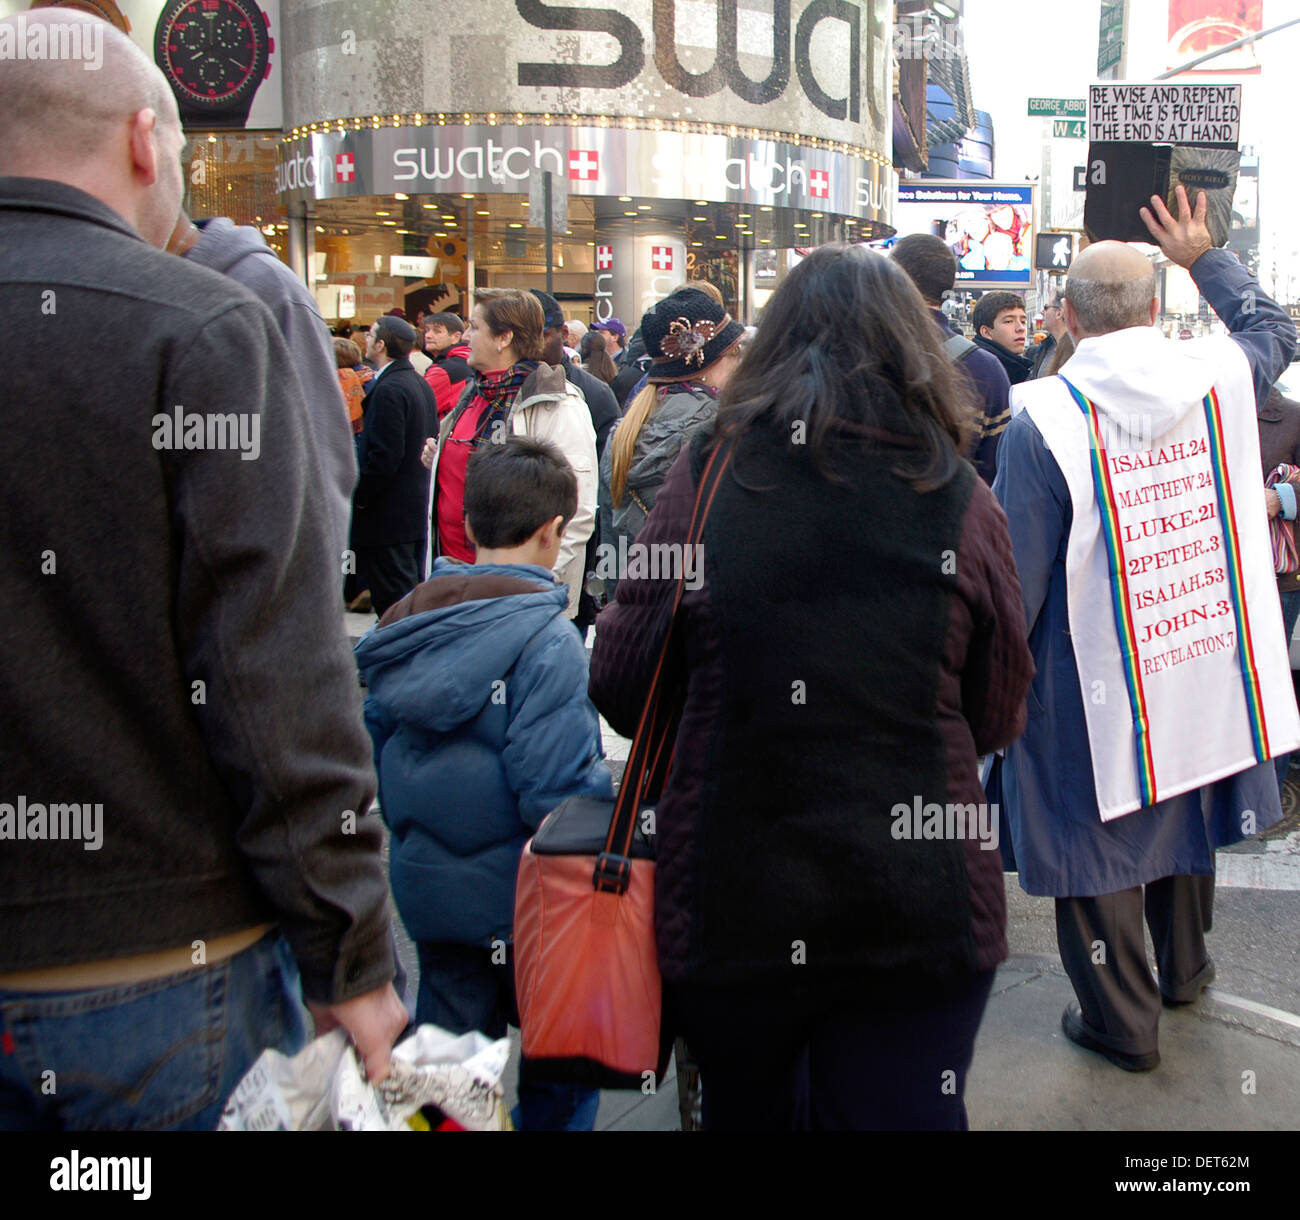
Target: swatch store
[(681, 140)]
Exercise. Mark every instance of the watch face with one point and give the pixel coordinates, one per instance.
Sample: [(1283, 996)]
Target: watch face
[(214, 52)]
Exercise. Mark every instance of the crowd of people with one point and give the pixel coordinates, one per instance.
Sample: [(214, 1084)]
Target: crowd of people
[(951, 602)]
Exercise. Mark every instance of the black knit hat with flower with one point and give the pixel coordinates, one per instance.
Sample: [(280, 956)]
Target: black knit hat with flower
[(685, 333)]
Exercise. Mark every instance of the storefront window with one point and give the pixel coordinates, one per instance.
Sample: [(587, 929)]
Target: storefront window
[(232, 174)]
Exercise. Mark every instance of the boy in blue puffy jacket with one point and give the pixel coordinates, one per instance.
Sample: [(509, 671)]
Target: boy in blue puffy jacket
[(481, 724)]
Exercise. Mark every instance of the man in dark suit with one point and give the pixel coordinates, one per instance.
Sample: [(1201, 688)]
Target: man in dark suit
[(390, 509)]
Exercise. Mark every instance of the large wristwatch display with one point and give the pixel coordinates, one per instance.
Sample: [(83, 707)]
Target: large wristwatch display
[(215, 53)]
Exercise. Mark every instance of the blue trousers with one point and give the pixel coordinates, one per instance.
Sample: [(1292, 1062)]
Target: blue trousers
[(157, 1056), (462, 989)]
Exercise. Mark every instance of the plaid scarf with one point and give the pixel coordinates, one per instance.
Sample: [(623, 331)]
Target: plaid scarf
[(498, 390)]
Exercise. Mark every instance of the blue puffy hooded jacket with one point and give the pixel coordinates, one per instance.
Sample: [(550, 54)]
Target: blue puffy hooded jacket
[(481, 723)]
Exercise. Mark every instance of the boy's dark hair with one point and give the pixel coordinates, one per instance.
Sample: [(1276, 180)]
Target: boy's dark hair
[(450, 322), (991, 304), (513, 488), (929, 262)]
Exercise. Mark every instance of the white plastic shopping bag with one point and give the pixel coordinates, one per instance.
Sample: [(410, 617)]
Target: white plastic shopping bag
[(324, 1086)]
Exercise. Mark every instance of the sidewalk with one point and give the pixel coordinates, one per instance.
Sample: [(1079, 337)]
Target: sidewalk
[(1027, 1077)]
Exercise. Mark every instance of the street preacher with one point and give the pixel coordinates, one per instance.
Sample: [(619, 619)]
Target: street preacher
[(1137, 512)]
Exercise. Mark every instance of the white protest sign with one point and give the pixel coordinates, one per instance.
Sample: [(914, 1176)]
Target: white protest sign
[(1165, 114)]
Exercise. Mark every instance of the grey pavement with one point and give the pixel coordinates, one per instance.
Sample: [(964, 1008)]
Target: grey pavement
[(1230, 1062)]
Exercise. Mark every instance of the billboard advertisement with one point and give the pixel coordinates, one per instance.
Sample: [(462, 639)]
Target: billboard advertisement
[(221, 57), (988, 226), (1199, 26)]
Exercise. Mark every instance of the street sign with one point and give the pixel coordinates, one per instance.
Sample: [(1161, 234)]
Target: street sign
[(1110, 42), (1053, 251), (1058, 107), (559, 202), (1068, 129)]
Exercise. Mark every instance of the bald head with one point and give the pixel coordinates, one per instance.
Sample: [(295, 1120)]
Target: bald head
[(85, 106), (1111, 286)]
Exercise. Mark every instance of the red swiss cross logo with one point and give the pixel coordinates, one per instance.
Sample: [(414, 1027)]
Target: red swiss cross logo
[(819, 183), (604, 258), (345, 167), (661, 258), (583, 164)]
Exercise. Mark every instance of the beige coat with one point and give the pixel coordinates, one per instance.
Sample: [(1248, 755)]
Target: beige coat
[(549, 407)]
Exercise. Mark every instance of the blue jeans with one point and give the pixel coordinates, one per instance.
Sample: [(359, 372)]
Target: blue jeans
[(162, 1055), (1290, 614), (462, 989)]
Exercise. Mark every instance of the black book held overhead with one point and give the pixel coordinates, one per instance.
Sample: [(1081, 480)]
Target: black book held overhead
[(1122, 177)]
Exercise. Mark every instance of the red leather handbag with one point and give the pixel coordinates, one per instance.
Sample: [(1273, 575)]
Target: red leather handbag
[(586, 968)]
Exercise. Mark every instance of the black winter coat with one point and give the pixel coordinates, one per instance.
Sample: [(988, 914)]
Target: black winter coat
[(1019, 368), (391, 503), (851, 648)]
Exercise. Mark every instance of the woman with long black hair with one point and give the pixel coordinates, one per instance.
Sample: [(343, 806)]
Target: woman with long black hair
[(829, 901)]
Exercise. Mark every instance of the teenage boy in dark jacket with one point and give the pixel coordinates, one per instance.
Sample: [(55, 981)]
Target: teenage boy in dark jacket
[(481, 724), (1001, 328)]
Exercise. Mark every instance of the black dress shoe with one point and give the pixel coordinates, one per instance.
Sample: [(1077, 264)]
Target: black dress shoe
[(1207, 977), (1078, 1033)]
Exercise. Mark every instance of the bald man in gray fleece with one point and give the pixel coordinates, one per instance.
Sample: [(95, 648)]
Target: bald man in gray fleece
[(184, 780)]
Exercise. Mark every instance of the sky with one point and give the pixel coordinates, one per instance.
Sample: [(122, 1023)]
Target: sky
[(1049, 49)]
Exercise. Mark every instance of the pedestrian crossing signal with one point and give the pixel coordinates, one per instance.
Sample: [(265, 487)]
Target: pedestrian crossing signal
[(1053, 251)]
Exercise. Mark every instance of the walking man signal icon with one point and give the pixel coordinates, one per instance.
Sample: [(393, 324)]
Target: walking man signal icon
[(1053, 251)]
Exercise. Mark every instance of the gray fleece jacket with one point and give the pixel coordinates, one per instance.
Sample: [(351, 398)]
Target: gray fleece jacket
[(241, 252), (681, 410)]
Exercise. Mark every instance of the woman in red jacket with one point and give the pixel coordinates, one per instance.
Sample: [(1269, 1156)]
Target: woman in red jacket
[(829, 903)]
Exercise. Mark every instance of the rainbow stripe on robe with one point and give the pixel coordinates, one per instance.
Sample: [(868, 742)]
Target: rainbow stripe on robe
[(1120, 600)]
